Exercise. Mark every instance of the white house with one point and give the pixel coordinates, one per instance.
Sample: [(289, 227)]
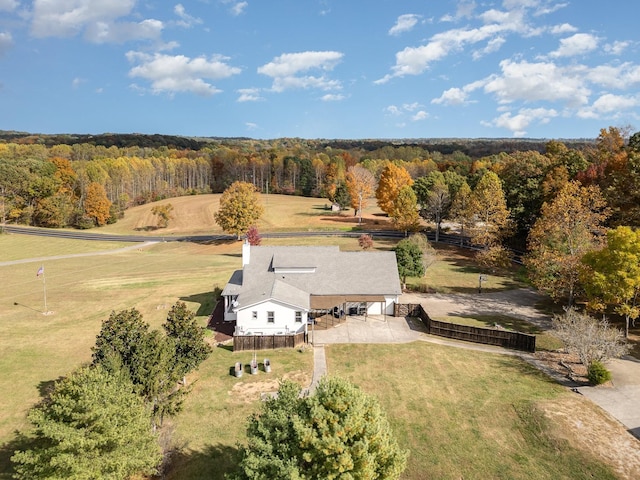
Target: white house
[(280, 288)]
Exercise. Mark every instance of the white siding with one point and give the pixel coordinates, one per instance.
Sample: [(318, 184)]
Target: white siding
[(284, 319)]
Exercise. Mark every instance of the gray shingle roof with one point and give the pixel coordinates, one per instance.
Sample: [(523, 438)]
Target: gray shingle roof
[(334, 273)]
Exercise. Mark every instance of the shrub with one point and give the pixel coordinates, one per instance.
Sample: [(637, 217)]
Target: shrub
[(597, 373)]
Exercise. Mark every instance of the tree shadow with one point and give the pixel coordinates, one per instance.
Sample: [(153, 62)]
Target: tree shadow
[(19, 442), (147, 228), (207, 301), (212, 462)]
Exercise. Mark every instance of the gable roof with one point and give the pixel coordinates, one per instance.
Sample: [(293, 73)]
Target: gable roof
[(292, 274)]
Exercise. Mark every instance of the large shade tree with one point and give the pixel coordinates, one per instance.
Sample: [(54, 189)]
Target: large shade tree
[(240, 208), (92, 425), (613, 276), (490, 210), (338, 432), (569, 226), (361, 184), (392, 179)]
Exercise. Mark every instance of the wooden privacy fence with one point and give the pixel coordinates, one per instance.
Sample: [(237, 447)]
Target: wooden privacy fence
[(487, 336), (267, 342)]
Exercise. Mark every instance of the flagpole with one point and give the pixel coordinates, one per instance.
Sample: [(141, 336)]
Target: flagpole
[(44, 288)]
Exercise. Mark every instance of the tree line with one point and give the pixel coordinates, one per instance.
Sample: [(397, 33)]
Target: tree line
[(47, 184)]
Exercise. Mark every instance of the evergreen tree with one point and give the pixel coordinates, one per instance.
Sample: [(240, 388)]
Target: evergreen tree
[(190, 347), (338, 432), (92, 426), (409, 259)]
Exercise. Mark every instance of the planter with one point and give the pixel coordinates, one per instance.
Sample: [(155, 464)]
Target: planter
[(267, 365), (254, 367), (238, 370)]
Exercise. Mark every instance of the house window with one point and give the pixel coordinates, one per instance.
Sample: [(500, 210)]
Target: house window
[(299, 317), (271, 317)]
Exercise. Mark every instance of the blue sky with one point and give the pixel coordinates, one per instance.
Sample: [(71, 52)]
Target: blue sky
[(320, 68)]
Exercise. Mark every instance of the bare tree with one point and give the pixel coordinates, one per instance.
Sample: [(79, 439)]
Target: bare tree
[(592, 340)]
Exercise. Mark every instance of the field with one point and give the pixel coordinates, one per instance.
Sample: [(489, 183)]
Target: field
[(194, 215), (462, 415)]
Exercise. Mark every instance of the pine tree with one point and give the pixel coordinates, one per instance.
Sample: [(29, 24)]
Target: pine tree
[(190, 347), (92, 425), (338, 432)]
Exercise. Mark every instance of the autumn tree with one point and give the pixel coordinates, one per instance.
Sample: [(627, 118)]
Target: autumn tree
[(239, 208), (365, 241), (569, 226), (392, 179), (613, 276), (490, 211), (92, 425), (96, 204), (361, 186), (253, 236), (337, 432), (164, 214), (405, 214), (461, 210)]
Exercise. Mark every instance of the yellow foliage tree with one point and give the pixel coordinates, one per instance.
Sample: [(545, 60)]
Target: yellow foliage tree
[(392, 179), (490, 211), (570, 226), (360, 184), (240, 208), (96, 204)]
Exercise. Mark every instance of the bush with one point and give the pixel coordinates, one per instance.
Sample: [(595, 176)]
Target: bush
[(597, 373)]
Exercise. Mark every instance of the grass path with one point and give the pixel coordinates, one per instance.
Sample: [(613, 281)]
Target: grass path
[(77, 255)]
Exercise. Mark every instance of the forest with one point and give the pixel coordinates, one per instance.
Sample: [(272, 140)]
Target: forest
[(84, 181)]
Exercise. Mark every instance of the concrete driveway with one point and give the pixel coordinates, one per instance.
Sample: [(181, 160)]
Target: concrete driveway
[(370, 329), (620, 400)]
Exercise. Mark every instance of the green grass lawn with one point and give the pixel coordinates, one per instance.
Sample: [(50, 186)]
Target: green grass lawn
[(455, 271), (18, 247), (464, 414)]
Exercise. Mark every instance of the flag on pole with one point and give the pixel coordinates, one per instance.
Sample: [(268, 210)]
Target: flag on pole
[(40, 271)]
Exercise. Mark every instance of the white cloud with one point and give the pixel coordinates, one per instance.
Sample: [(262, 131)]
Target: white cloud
[(492, 46), (238, 8), (617, 47), (562, 29), (609, 105), (623, 76), (577, 44), (518, 123), (186, 20), (6, 42), (333, 97), (524, 81), (286, 69), (251, 126), (421, 115), (8, 5), (404, 23), (171, 74), (415, 60), (103, 32), (393, 110), (97, 19), (76, 82), (249, 95)]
